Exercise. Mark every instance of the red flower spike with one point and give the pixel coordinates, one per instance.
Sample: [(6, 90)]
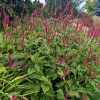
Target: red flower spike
[(21, 13), (88, 22), (23, 43), (31, 26), (22, 98), (15, 64), (46, 27), (88, 55), (83, 15), (85, 95), (89, 70), (89, 33), (59, 7), (38, 2), (79, 39), (65, 73), (68, 17), (77, 25), (80, 28), (61, 16), (68, 38), (63, 41), (90, 49), (92, 75), (71, 12), (66, 97), (48, 39), (85, 63), (24, 6), (56, 59), (14, 97), (15, 42), (99, 86), (67, 6), (39, 52), (35, 14), (94, 57), (63, 59), (11, 3), (90, 52), (28, 53), (9, 57), (6, 20)]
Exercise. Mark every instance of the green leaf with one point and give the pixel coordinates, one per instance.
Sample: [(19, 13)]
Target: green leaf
[(45, 80), (70, 83), (1, 92), (87, 98), (33, 97), (45, 87), (28, 92), (36, 58), (74, 93), (32, 57), (46, 49), (35, 88), (81, 90), (2, 69), (38, 69), (60, 72), (45, 84), (31, 70), (60, 95), (50, 93), (34, 76), (74, 71)]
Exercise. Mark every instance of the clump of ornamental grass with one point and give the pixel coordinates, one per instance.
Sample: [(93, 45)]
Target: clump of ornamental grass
[(61, 62), (96, 20)]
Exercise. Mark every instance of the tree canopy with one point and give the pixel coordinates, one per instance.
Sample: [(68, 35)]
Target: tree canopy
[(97, 8), (90, 7), (74, 4), (15, 7)]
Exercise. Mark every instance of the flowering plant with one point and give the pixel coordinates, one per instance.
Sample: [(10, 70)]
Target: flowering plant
[(56, 60)]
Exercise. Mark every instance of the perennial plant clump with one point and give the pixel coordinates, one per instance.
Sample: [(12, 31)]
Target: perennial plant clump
[(49, 58)]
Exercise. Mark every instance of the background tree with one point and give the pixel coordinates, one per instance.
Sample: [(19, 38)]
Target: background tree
[(37, 5), (53, 4), (97, 8), (13, 7), (90, 7), (28, 8), (16, 7)]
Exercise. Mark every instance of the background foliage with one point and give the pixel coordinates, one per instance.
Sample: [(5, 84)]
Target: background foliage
[(97, 8)]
